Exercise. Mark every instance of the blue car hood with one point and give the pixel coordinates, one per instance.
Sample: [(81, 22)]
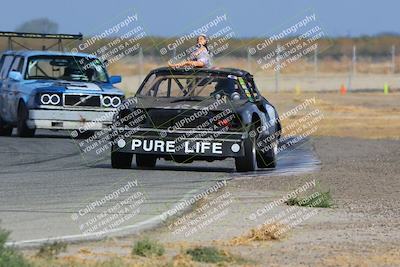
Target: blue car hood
[(75, 87)]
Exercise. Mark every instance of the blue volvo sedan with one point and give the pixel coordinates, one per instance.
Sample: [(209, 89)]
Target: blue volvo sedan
[(56, 91)]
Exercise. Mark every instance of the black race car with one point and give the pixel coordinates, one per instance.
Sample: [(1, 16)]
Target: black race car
[(196, 114)]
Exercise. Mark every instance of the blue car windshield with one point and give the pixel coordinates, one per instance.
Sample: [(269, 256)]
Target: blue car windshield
[(68, 68)]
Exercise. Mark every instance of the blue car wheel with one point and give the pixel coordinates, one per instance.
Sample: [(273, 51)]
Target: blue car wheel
[(22, 128), (5, 130)]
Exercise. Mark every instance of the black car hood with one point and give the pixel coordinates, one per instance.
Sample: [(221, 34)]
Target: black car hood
[(171, 103)]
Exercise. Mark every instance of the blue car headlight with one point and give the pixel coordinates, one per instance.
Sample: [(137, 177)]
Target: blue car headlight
[(50, 99), (111, 101)]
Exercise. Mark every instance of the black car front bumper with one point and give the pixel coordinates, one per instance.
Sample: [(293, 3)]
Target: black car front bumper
[(185, 142)]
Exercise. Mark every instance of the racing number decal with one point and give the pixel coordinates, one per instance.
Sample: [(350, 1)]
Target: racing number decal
[(246, 90)]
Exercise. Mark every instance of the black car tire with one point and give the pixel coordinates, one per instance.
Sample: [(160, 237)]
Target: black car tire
[(22, 128), (145, 161), (267, 159), (121, 160), (5, 130), (248, 161), (85, 135)]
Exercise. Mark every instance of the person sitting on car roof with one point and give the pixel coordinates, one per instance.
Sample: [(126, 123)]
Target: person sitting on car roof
[(200, 58)]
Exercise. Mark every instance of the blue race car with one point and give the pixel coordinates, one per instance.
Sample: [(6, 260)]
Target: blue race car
[(55, 90)]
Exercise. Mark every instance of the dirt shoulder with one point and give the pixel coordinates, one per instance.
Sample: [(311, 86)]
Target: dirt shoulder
[(362, 227), (358, 145), (360, 230)]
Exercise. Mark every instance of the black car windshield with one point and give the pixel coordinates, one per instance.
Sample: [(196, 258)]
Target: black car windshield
[(191, 86), (69, 68)]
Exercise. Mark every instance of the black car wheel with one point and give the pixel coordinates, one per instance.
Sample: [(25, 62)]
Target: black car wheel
[(145, 161), (267, 159), (22, 128), (121, 160), (248, 161), (5, 130), (85, 135)]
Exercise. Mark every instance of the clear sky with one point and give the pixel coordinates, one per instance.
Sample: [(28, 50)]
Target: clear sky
[(249, 18)]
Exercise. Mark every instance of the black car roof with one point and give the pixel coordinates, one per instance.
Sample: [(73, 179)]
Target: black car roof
[(223, 71)]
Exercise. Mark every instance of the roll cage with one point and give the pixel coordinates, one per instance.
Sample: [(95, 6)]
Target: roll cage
[(28, 35)]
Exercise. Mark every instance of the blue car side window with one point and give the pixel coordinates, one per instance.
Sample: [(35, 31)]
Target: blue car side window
[(1, 61), (17, 64), (6, 66)]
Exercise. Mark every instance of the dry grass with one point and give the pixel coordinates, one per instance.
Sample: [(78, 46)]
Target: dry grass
[(378, 258), (116, 261), (360, 115), (265, 232), (182, 260), (131, 65)]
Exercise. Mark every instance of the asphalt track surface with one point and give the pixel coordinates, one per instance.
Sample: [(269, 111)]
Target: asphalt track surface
[(47, 183)]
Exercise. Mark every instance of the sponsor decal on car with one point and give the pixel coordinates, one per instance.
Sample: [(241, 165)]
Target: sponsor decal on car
[(189, 147)]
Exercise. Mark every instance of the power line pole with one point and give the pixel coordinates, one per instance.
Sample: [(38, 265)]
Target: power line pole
[(277, 68), (140, 65), (354, 61), (352, 67), (316, 61), (393, 58), (248, 60)]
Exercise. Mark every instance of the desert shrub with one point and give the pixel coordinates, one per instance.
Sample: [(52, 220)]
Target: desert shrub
[(315, 200), (9, 256), (147, 248), (51, 250), (206, 254)]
